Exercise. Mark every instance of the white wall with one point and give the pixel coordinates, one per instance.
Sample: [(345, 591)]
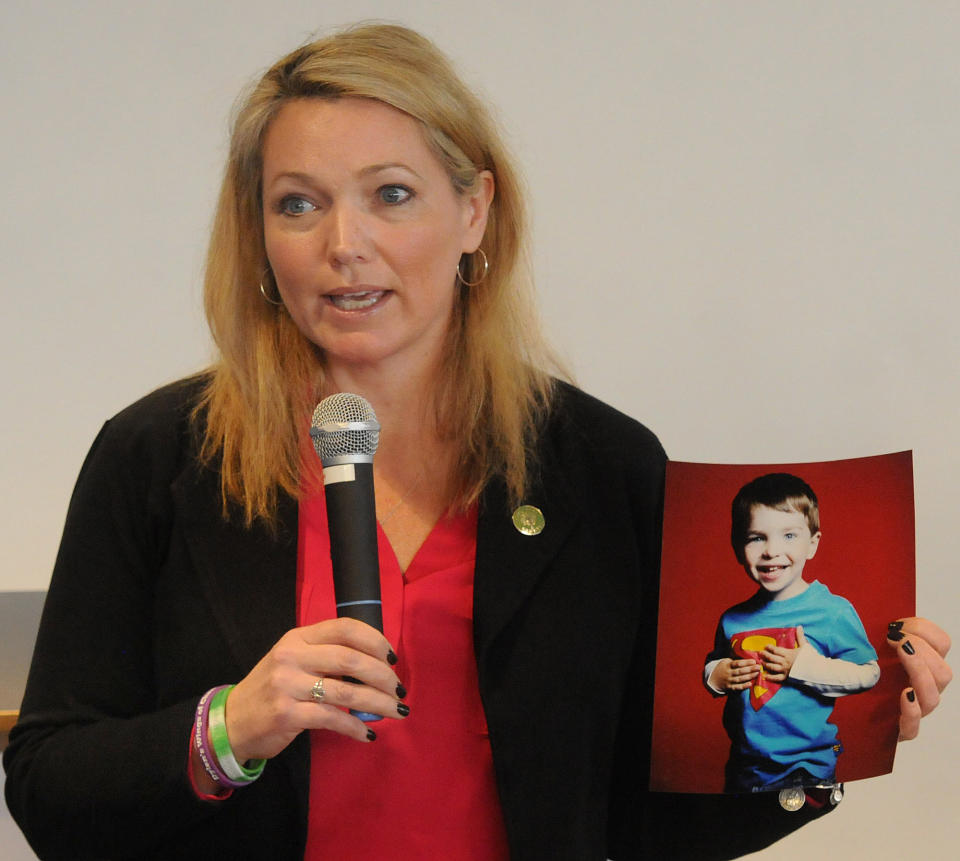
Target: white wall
[(746, 236)]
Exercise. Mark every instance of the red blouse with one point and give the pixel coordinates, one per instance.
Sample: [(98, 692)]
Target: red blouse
[(425, 788)]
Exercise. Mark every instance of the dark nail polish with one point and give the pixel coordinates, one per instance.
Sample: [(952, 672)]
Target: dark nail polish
[(911, 695), (895, 636), (391, 658), (894, 626), (908, 648), (401, 691), (403, 709), (371, 735)]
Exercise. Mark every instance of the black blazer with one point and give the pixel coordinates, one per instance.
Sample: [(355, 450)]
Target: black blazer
[(155, 598)]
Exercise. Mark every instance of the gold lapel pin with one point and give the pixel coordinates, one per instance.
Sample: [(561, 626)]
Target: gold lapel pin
[(529, 520)]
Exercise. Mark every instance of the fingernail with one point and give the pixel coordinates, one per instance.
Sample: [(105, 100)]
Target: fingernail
[(371, 735), (908, 648), (401, 691), (895, 636), (911, 695), (403, 709), (391, 658), (894, 626)]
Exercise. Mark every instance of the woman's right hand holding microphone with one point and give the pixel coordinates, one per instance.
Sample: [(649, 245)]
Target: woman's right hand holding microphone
[(297, 686)]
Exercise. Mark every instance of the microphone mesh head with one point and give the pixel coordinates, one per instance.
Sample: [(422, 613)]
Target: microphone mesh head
[(344, 429)]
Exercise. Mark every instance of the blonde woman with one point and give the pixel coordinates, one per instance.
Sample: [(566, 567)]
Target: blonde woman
[(369, 238)]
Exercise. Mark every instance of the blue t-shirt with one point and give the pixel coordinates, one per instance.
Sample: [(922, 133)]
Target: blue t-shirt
[(792, 729)]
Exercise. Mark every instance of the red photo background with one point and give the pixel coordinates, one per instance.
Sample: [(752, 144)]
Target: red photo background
[(866, 555)]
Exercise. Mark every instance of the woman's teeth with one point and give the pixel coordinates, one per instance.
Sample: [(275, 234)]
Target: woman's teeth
[(355, 301)]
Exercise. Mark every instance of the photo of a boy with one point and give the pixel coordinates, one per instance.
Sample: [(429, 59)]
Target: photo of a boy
[(783, 656)]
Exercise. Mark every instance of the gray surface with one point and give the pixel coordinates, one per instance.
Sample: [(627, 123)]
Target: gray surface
[(19, 618)]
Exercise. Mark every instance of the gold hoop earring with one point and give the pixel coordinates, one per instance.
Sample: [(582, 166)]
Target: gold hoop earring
[(486, 269), (263, 292)]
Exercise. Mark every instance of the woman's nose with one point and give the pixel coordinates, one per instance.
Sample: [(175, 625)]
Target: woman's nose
[(347, 239)]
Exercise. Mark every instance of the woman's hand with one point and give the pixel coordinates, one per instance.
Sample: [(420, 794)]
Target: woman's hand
[(734, 675), (921, 647), (275, 702)]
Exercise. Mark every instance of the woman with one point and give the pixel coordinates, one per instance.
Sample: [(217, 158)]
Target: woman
[(369, 238)]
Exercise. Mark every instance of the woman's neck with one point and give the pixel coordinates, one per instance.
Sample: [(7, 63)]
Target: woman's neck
[(414, 469), (403, 402)]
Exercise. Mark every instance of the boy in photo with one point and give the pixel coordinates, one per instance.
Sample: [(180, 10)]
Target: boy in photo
[(783, 656)]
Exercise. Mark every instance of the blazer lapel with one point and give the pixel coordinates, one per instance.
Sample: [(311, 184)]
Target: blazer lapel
[(509, 563), (248, 575)]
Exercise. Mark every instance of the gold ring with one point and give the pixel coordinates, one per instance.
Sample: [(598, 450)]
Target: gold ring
[(317, 691)]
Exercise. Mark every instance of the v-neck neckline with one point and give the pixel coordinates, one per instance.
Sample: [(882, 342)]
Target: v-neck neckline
[(450, 540)]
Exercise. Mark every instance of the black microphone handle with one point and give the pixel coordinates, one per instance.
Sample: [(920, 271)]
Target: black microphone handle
[(352, 522)]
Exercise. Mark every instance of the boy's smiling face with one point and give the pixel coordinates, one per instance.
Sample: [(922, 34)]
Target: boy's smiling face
[(777, 546)]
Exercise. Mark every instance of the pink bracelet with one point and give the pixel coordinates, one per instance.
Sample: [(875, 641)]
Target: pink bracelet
[(220, 795), (207, 757)]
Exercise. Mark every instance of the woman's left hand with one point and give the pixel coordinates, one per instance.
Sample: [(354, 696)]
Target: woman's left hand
[(922, 648)]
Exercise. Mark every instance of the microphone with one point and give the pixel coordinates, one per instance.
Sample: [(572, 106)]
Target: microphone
[(345, 434)]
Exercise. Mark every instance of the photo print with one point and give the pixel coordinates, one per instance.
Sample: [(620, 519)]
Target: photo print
[(778, 583)]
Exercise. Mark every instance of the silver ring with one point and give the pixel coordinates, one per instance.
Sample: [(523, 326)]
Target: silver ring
[(317, 691)]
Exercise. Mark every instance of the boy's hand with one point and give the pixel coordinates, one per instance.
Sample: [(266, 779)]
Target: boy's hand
[(921, 647), (734, 675), (778, 661)]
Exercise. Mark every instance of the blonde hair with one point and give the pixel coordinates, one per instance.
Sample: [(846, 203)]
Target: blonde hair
[(493, 393)]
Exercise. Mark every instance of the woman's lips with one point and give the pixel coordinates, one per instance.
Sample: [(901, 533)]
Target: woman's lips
[(360, 300)]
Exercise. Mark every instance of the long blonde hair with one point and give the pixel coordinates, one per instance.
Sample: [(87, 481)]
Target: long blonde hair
[(493, 393)]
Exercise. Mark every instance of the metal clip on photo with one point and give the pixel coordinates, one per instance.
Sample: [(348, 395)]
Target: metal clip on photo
[(794, 797)]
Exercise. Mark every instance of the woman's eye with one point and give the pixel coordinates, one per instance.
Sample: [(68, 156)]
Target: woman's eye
[(294, 205), (394, 194)]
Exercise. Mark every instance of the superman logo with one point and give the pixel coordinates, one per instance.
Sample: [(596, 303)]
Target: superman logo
[(749, 644)]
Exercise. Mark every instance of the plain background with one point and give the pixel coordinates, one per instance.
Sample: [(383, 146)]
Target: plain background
[(746, 235)]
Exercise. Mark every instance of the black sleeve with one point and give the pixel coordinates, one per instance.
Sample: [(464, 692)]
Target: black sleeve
[(713, 827), (96, 766)]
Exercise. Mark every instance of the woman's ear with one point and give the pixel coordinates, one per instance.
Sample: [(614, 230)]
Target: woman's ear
[(477, 210)]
